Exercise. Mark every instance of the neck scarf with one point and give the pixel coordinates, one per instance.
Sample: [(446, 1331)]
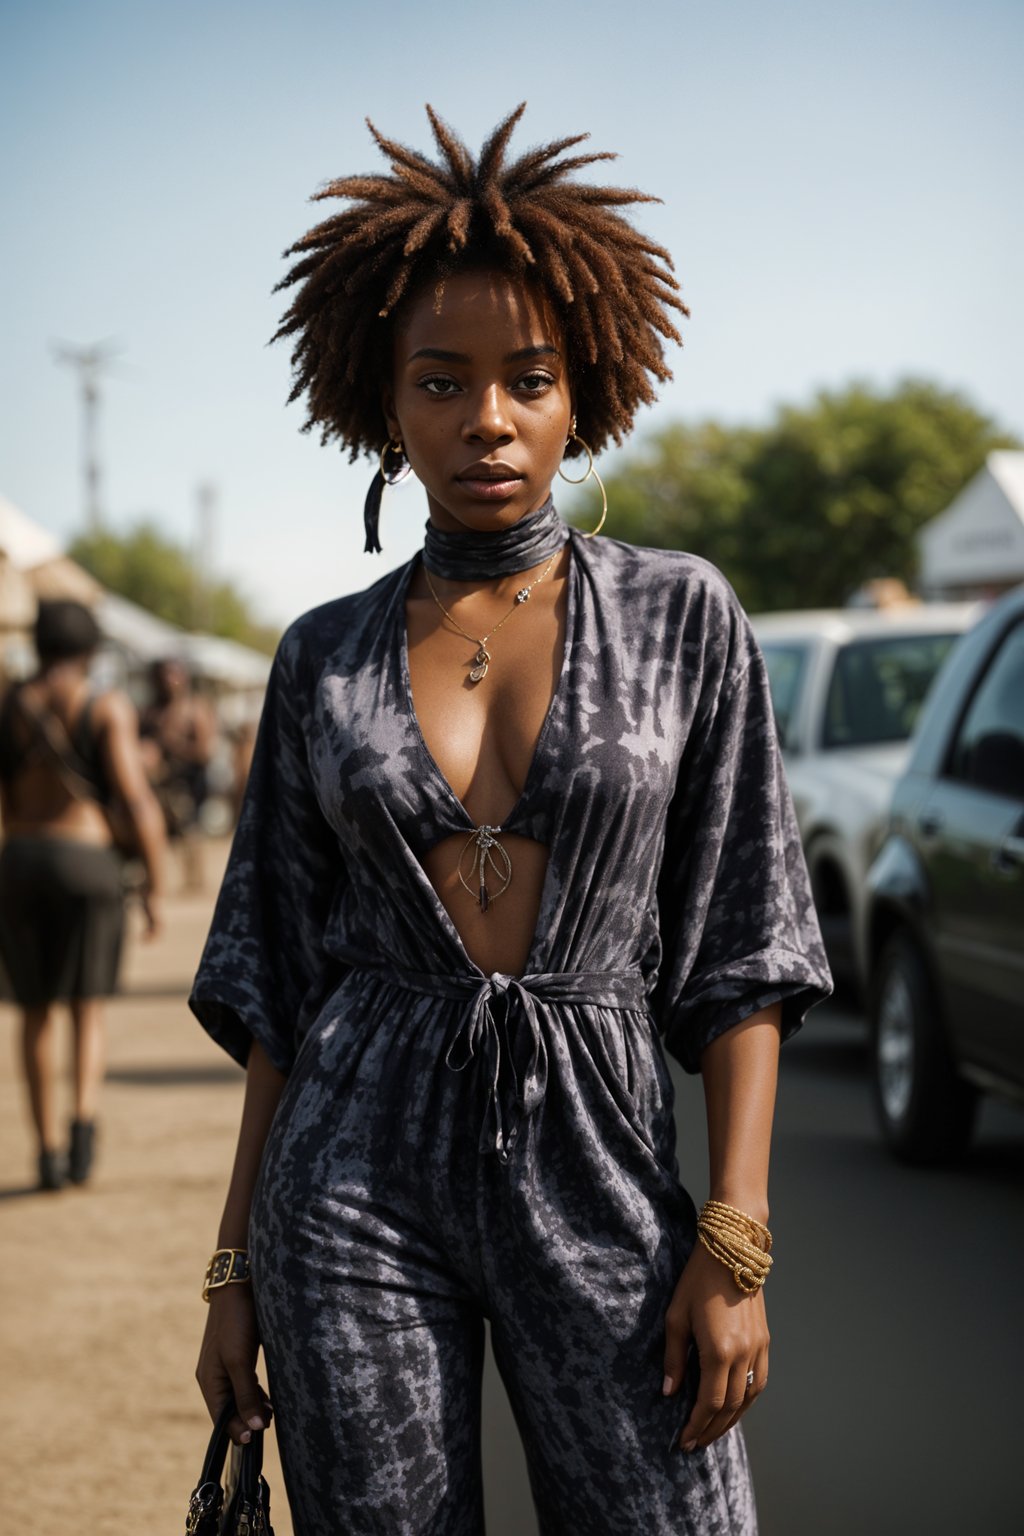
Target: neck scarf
[(472, 556)]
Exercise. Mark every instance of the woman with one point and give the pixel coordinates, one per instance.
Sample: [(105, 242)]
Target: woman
[(513, 810), (68, 757)]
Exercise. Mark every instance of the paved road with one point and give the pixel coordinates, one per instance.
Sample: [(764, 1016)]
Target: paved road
[(895, 1307)]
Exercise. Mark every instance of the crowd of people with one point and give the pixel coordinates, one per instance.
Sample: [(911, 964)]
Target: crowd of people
[(94, 796)]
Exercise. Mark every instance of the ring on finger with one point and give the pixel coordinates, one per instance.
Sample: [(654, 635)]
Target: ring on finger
[(750, 1378)]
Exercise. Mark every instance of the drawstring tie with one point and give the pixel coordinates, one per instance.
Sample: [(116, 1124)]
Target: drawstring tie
[(478, 1036), (479, 1032)]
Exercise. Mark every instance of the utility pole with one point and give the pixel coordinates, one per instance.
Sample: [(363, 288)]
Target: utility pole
[(89, 363), (202, 563)]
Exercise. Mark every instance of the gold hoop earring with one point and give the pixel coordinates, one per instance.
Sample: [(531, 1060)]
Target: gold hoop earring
[(574, 436)]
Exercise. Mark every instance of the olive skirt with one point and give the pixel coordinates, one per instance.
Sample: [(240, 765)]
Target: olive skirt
[(61, 919)]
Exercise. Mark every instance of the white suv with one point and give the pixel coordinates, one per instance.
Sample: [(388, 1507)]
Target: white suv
[(847, 685)]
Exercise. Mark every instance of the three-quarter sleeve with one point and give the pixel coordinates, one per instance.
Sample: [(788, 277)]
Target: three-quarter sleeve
[(737, 924), (264, 958)]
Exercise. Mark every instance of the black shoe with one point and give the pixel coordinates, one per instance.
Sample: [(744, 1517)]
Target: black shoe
[(51, 1170), (83, 1145)]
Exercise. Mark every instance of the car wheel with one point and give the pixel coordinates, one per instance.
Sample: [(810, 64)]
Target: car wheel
[(925, 1109)]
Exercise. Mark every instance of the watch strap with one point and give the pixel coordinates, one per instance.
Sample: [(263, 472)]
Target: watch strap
[(227, 1266)]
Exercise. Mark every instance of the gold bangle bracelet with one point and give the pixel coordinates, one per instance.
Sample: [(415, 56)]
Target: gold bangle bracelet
[(227, 1266), (739, 1242), (718, 1211)]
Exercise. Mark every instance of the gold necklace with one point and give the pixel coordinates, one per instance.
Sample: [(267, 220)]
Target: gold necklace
[(482, 658)]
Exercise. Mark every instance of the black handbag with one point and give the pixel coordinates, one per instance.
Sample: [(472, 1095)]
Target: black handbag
[(239, 1507)]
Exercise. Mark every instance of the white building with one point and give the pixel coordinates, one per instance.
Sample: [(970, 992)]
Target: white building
[(976, 547)]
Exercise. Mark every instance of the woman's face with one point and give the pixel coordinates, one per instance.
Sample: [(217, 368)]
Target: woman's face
[(480, 398)]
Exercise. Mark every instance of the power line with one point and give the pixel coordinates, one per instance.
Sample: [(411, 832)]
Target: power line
[(202, 562), (90, 364)]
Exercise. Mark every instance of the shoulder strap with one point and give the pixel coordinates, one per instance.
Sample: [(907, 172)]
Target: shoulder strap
[(84, 736), (51, 732)]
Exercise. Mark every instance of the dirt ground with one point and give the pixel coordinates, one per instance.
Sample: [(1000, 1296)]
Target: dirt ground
[(100, 1312)]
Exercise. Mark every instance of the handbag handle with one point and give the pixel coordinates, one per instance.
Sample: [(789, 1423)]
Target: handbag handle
[(216, 1453), (207, 1511), (203, 1517), (250, 1468)]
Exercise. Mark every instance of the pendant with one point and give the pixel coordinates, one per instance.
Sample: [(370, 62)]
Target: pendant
[(487, 853), (479, 672)]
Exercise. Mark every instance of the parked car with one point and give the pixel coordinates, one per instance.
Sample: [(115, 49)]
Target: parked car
[(847, 685), (945, 911)]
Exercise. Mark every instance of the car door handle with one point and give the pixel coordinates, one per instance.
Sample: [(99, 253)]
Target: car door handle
[(928, 823)]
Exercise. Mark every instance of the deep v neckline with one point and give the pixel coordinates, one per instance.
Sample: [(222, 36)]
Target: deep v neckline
[(434, 767)]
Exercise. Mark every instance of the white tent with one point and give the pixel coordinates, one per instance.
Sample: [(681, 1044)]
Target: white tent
[(24, 542), (33, 565), (137, 632), (976, 547), (17, 600), (226, 661), (142, 638)]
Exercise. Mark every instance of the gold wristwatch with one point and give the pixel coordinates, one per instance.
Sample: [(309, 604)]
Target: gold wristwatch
[(228, 1266)]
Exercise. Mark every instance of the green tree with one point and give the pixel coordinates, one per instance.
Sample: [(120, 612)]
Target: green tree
[(799, 513), (148, 568)]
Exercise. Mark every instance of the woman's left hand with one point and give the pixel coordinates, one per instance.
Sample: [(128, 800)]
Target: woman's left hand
[(729, 1331), (153, 912)]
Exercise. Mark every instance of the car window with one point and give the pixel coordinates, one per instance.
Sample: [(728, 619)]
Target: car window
[(989, 748), (878, 687), (786, 664)]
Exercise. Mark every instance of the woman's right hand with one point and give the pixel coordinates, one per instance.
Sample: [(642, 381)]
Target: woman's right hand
[(227, 1361)]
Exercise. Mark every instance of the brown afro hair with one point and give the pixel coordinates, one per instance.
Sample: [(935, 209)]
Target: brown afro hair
[(611, 287)]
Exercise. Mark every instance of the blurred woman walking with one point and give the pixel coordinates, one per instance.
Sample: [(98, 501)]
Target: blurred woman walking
[(72, 788)]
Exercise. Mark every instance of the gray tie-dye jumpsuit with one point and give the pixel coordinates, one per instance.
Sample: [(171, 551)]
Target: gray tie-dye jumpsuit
[(452, 1146)]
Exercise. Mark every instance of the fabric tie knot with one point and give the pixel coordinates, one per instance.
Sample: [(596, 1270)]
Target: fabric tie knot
[(481, 1031), (521, 1000)]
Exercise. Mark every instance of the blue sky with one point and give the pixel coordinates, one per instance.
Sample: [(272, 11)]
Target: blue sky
[(841, 185)]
